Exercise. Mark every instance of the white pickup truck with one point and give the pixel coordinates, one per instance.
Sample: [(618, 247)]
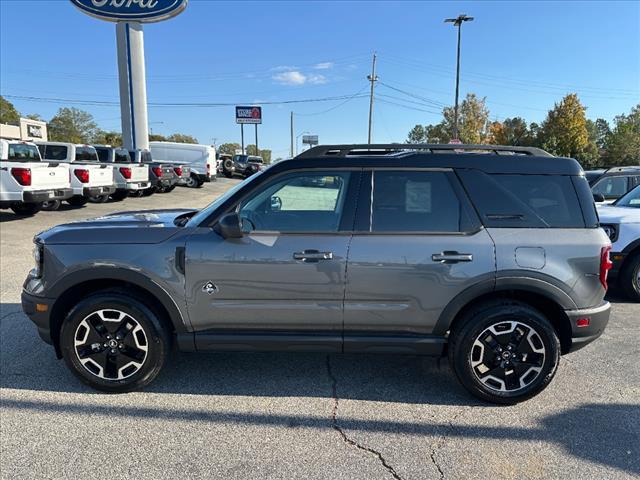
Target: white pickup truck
[(26, 181), (128, 177), (89, 178)]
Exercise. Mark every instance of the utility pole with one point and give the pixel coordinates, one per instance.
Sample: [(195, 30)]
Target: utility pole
[(291, 135), (242, 136), (257, 149), (457, 22), (373, 79)]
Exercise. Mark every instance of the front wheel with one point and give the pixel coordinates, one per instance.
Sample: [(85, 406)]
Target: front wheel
[(630, 277), (114, 343), (26, 209), (504, 352)]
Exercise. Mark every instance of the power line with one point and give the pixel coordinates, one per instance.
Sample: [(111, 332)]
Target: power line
[(408, 107), (414, 95), (355, 95)]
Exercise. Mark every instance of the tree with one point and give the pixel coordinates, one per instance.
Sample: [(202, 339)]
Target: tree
[(622, 145), (34, 116), (598, 132), (439, 133), (108, 138), (417, 135), (564, 132), (74, 126), (265, 154), (154, 137), (473, 119), (228, 148), (8, 113), (181, 138)]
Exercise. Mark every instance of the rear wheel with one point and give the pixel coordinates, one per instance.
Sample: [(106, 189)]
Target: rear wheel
[(26, 209), (504, 352), (630, 277), (149, 191), (99, 198), (51, 205), (113, 342), (77, 201), (136, 193), (228, 168), (119, 195), (193, 182)]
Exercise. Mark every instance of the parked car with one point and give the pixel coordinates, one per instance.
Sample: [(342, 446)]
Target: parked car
[(221, 160), (200, 158), (26, 181), (128, 176), (610, 184), (243, 165), (621, 221), (495, 260), (88, 176), (162, 177)]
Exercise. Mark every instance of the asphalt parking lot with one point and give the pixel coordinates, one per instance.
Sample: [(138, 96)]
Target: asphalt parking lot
[(303, 415)]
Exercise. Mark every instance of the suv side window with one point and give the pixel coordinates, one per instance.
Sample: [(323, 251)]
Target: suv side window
[(296, 203), (416, 201), (612, 187)]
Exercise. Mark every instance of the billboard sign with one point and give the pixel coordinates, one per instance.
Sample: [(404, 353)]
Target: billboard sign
[(249, 115), (131, 10), (310, 140)]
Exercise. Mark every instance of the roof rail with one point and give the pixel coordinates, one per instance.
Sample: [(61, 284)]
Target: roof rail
[(622, 169), (388, 148)]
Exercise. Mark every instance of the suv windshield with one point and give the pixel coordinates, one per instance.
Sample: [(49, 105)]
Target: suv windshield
[(86, 154), (21, 152), (241, 158), (631, 199)]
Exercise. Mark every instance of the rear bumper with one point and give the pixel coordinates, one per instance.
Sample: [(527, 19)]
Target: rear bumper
[(39, 196), (93, 191), (206, 178), (133, 186), (598, 319)]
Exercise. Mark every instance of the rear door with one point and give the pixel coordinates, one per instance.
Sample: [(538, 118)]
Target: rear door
[(287, 274), (417, 245)]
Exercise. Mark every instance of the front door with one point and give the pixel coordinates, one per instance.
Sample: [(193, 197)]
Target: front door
[(287, 273)]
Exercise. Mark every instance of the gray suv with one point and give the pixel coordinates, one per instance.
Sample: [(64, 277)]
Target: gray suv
[(490, 255)]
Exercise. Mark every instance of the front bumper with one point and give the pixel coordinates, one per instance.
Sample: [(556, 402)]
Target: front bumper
[(94, 191), (38, 309), (598, 319), (39, 196), (617, 259)]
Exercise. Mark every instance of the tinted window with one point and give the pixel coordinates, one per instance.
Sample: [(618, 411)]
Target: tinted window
[(540, 201), (146, 157), (103, 154), (121, 156), (416, 202), (55, 152), (612, 187), (20, 152), (300, 202), (86, 154)]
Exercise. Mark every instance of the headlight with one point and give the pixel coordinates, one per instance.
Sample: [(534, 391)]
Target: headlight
[(38, 259), (611, 231)]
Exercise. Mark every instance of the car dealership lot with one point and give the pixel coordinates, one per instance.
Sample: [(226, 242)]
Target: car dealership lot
[(280, 415)]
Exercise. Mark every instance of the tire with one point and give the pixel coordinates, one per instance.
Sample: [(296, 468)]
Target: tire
[(99, 199), (139, 343), (228, 168), (499, 337), (193, 182), (119, 195), (26, 209), (51, 205), (170, 189), (136, 193), (77, 201), (149, 191), (629, 278)]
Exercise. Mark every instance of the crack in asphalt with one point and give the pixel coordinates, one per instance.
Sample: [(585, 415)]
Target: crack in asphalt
[(343, 435), (442, 441)]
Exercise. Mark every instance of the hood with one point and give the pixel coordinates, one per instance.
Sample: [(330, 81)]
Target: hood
[(612, 214), (135, 227)]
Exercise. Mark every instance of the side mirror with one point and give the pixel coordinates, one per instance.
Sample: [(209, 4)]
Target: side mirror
[(229, 226), (598, 197), (276, 203)]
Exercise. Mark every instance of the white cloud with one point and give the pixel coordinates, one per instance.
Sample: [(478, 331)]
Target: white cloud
[(291, 77), (316, 79), (323, 66), (284, 68)]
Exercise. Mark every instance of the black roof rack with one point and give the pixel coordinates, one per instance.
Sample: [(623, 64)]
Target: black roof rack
[(632, 168), (393, 148)]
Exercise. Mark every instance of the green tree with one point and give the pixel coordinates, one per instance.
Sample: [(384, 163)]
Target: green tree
[(154, 137), (622, 145), (417, 135), (228, 148), (181, 138), (564, 132), (473, 119), (598, 131), (265, 154), (34, 116), (8, 113), (440, 133), (74, 126), (108, 138)]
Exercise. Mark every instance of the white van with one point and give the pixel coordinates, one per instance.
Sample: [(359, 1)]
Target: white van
[(201, 159)]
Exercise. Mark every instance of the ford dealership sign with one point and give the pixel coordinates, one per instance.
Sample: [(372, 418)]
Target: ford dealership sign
[(131, 10)]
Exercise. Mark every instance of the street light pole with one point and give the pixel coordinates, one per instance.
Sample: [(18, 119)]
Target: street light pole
[(457, 22)]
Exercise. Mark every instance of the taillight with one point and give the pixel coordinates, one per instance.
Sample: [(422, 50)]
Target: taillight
[(605, 265), (82, 175), (208, 168), (22, 175), (126, 172), (157, 171), (178, 171)]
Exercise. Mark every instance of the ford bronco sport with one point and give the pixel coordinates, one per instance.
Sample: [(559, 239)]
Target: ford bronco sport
[(490, 255)]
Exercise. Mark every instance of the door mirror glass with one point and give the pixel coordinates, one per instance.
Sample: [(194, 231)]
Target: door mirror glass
[(598, 197), (276, 203), (229, 226)]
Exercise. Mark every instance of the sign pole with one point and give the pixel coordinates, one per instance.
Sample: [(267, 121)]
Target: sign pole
[(257, 149), (242, 136)]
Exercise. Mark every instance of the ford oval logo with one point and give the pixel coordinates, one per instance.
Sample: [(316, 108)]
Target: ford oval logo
[(131, 10)]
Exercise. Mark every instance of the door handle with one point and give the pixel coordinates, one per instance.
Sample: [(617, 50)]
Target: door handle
[(451, 257), (312, 256)]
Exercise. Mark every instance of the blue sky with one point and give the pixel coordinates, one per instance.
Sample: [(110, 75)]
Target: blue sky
[(523, 56)]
